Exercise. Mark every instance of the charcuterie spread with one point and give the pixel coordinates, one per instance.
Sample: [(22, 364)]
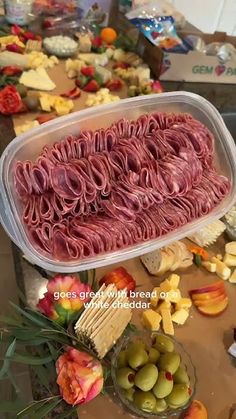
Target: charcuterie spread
[(106, 189)]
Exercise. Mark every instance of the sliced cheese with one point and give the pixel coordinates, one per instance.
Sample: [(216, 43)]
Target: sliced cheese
[(232, 279), (37, 79), (183, 303), (180, 316), (231, 248), (151, 320), (167, 321)]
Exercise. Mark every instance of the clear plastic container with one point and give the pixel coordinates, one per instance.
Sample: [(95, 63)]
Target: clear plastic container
[(30, 144)]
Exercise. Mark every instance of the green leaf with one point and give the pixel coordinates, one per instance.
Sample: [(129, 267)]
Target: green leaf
[(13, 381), (53, 351), (43, 375), (6, 363), (30, 360), (84, 277), (50, 323), (32, 317), (46, 408), (9, 321), (31, 408), (71, 414), (11, 406), (22, 296)]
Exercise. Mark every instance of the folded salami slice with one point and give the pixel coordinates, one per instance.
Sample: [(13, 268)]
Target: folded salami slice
[(104, 190)]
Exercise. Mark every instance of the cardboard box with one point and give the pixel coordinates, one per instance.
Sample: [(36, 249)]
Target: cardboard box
[(198, 67)]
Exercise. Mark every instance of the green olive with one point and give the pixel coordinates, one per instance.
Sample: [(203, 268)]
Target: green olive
[(31, 102), (22, 90)]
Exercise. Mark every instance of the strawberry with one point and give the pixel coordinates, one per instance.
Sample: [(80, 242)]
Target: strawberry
[(120, 64), (114, 85), (45, 118), (97, 42), (29, 35), (72, 94), (14, 48), (92, 86), (88, 71), (81, 81), (16, 30)]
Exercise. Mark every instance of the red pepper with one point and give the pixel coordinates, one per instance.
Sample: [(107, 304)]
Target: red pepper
[(45, 118), (16, 30), (11, 70), (14, 48), (29, 35), (72, 94), (120, 278)]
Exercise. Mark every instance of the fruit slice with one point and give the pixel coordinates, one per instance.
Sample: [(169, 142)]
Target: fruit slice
[(196, 411), (208, 288), (208, 295), (214, 309), (212, 301)]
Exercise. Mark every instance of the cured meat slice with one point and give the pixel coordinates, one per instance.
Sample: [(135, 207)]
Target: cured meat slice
[(104, 190)]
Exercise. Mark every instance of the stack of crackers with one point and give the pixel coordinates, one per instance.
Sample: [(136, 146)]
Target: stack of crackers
[(104, 319)]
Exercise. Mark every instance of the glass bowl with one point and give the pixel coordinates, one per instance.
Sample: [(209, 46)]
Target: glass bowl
[(58, 50), (148, 339)]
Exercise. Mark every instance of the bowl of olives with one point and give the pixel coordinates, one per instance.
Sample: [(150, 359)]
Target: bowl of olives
[(153, 375)]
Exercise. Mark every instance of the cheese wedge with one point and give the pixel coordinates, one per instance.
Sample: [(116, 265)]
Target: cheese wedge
[(167, 321), (180, 316), (37, 79), (151, 320)]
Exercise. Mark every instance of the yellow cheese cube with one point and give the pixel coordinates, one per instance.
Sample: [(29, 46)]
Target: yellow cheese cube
[(155, 296), (174, 281), (232, 279), (165, 286), (231, 248), (173, 296), (62, 110), (183, 303), (167, 321), (221, 269), (151, 320), (180, 316), (164, 304), (209, 266), (229, 260), (45, 103)]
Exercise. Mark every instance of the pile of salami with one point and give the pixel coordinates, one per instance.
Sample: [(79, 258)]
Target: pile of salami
[(107, 189)]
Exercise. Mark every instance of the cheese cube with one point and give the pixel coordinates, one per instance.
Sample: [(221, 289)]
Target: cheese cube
[(231, 248), (174, 281), (164, 304), (183, 303), (180, 316), (229, 260), (221, 269), (173, 296), (45, 103), (165, 286), (151, 320), (232, 279), (167, 321), (155, 296), (209, 266)]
